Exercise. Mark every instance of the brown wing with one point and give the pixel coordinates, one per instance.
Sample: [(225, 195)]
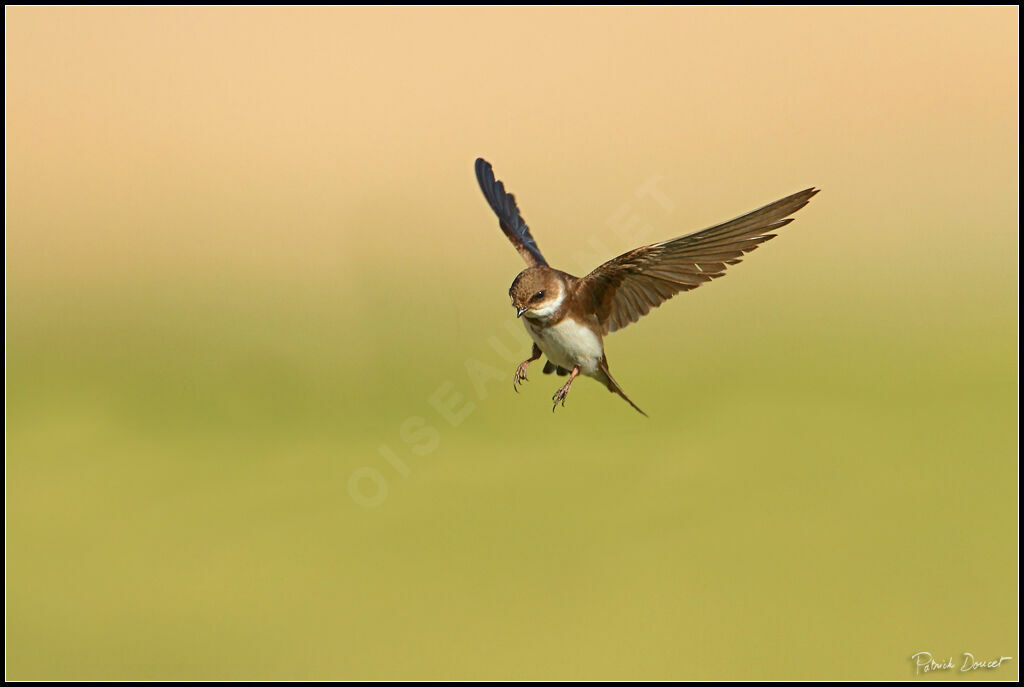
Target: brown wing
[(625, 289), (504, 206)]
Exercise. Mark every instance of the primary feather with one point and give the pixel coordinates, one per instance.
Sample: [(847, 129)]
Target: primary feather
[(504, 206), (624, 289)]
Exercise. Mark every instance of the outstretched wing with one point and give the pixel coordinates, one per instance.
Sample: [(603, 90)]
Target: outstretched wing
[(504, 206), (625, 289)]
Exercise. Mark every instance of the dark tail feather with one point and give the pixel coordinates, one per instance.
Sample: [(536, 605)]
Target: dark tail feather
[(614, 387), (550, 367)]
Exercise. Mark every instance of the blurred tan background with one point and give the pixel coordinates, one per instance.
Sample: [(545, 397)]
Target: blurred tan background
[(251, 283)]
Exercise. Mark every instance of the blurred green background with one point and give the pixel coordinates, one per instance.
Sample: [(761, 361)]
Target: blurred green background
[(251, 282)]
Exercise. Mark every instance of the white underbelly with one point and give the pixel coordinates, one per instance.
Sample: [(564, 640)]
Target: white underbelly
[(568, 344)]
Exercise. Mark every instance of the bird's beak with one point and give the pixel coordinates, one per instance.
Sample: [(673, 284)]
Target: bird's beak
[(520, 311)]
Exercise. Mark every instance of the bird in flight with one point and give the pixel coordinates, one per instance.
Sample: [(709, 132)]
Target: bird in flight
[(568, 317)]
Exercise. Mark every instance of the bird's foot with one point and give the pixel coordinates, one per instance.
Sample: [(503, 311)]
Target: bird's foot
[(563, 391), (520, 375), (560, 395)]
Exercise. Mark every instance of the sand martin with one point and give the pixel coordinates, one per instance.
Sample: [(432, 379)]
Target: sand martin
[(567, 317)]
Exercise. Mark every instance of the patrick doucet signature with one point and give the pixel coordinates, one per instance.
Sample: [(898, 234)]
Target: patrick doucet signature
[(924, 662)]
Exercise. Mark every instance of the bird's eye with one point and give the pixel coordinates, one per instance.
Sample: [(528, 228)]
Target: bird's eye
[(537, 296)]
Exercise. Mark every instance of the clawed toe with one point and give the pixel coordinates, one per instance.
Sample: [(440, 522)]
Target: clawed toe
[(563, 391), (559, 397), (519, 377)]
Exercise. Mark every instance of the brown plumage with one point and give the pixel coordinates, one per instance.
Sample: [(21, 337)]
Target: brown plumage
[(568, 316), (625, 288)]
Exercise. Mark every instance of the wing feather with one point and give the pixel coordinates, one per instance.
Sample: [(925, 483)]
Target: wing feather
[(624, 289), (504, 206)]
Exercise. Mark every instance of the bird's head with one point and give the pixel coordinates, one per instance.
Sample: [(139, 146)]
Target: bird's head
[(537, 292)]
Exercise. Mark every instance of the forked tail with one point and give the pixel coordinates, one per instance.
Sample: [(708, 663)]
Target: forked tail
[(613, 386)]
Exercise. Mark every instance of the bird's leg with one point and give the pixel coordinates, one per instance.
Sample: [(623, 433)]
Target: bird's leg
[(520, 375), (564, 390)]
